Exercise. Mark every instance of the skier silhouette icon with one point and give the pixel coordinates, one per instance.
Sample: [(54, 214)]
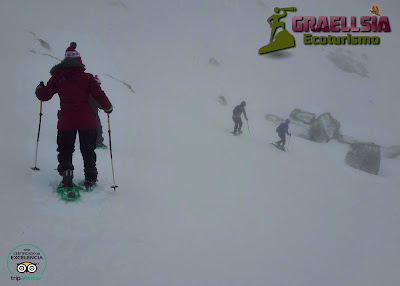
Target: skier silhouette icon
[(283, 40)]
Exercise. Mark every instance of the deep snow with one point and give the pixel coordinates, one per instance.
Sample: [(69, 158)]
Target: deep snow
[(197, 206)]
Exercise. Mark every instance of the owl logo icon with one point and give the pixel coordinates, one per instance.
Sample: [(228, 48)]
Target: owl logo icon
[(26, 267)]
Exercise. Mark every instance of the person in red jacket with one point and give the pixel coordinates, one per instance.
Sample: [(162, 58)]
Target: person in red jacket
[(74, 87), (95, 107), (71, 52)]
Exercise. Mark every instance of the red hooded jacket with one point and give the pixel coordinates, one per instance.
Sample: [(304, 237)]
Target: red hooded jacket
[(74, 87)]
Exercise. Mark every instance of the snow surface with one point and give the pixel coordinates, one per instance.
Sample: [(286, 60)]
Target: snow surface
[(197, 206)]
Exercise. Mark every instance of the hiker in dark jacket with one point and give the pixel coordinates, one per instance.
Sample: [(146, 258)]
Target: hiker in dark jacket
[(283, 130), (237, 117), (74, 87)]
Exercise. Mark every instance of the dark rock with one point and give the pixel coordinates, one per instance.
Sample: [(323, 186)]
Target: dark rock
[(222, 100), (365, 157), (391, 152), (345, 139), (300, 129), (44, 44), (348, 62), (324, 128), (273, 118), (213, 62), (302, 116)]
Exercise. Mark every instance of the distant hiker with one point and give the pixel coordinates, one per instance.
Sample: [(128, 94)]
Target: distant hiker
[(95, 107), (71, 52), (74, 87), (236, 116), (283, 130)]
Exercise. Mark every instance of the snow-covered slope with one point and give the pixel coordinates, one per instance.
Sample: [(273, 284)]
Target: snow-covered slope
[(197, 206)]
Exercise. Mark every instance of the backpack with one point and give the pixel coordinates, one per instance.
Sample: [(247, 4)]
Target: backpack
[(237, 110), (281, 128)]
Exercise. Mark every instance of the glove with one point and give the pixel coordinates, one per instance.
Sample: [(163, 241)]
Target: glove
[(108, 111), (290, 134), (40, 85)]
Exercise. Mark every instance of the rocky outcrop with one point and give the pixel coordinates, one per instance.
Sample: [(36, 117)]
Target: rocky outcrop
[(365, 157), (345, 139), (213, 62), (303, 124), (299, 129), (273, 118), (302, 116), (391, 152), (221, 99), (324, 128)]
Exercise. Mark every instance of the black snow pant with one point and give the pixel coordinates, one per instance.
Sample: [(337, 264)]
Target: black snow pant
[(282, 142), (238, 124), (95, 107), (66, 147)]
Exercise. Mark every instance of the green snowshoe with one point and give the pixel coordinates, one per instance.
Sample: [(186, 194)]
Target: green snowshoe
[(68, 193), (87, 186), (101, 146)]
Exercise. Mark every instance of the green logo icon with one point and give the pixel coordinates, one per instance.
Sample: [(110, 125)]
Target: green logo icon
[(283, 39)]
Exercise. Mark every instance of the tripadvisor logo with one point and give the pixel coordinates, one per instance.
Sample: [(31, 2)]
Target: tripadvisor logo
[(26, 262), (285, 40)]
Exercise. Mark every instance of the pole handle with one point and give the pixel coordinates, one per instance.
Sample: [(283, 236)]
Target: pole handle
[(41, 107)]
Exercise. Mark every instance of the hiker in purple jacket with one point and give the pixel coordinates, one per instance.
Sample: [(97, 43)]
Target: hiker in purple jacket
[(283, 130)]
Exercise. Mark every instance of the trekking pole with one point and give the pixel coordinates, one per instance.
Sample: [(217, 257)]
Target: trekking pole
[(38, 135), (114, 186), (290, 136), (248, 128)]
